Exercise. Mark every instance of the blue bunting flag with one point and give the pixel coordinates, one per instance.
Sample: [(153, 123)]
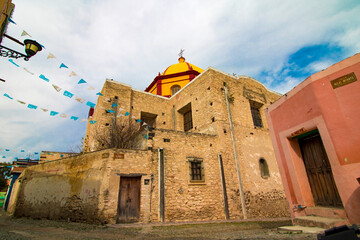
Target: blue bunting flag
[(81, 81), (63, 66), (110, 111), (12, 21), (53, 113), (74, 118), (113, 105), (90, 104), (6, 95), (68, 94), (32, 106), (139, 120), (127, 114), (44, 78), (12, 61), (92, 122), (100, 94)]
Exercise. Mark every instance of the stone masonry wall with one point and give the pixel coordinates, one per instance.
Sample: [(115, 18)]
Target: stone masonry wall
[(84, 188), (210, 136)]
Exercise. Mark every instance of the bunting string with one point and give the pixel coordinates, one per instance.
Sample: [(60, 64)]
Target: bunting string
[(52, 113), (57, 88), (51, 56)]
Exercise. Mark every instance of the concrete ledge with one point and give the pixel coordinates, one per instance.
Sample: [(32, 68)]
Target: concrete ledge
[(300, 229)]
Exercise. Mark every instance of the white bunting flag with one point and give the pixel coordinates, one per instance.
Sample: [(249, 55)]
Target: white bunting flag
[(50, 56), (24, 33)]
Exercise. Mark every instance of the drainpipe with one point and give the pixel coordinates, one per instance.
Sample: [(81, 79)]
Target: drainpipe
[(243, 207), (161, 185)]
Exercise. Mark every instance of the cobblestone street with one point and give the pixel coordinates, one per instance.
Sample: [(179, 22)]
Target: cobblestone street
[(24, 228)]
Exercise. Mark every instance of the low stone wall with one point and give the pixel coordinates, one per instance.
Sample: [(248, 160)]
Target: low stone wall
[(64, 189)]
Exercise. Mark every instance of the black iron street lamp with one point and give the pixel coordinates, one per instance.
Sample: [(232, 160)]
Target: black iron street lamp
[(31, 48)]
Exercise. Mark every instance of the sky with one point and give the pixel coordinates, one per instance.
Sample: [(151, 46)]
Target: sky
[(278, 42)]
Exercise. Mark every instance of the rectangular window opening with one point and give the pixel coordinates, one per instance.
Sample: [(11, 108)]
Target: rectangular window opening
[(196, 170), (255, 112)]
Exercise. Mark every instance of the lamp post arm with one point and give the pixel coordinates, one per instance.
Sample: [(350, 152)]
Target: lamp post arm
[(11, 53)]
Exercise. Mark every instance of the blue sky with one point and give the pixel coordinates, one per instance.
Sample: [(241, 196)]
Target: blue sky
[(278, 42)]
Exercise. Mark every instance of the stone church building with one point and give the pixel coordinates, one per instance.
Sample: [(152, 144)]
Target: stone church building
[(203, 153)]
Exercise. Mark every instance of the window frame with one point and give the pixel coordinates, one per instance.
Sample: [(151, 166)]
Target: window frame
[(256, 114), (174, 87), (264, 168), (196, 164)]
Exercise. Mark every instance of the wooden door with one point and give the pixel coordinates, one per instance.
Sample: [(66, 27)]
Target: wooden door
[(129, 200), (319, 172)]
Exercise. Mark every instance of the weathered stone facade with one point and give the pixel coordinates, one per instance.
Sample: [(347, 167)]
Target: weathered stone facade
[(223, 131)]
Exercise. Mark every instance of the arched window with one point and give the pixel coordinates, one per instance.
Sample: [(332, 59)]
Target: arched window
[(175, 89), (264, 168)]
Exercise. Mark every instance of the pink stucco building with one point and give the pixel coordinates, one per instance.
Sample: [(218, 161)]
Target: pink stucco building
[(315, 130)]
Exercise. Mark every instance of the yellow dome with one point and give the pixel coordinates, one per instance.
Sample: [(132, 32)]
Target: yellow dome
[(182, 66)]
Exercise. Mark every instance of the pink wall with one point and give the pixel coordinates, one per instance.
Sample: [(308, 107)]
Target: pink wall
[(336, 114)]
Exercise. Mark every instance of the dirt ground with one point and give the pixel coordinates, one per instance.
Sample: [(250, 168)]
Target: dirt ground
[(24, 228)]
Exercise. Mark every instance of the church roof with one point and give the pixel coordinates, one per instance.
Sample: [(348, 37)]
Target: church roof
[(182, 66)]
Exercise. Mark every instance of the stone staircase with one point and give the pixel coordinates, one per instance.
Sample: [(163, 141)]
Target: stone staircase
[(318, 219), (322, 217)]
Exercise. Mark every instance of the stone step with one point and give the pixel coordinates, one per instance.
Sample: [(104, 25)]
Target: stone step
[(326, 212), (300, 229), (321, 222)]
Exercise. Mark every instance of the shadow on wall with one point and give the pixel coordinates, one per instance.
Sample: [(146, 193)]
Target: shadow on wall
[(353, 203)]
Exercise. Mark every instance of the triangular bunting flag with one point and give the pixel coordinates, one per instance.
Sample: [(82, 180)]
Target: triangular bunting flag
[(127, 114), (21, 102), (7, 150), (53, 113), (12, 61), (22, 150), (120, 115), (91, 88), (146, 137), (139, 120), (72, 74), (81, 81), (83, 120), (144, 124), (24, 33), (12, 21), (92, 122), (80, 100), (110, 111), (133, 117), (63, 115), (113, 105), (44, 109), (57, 88), (28, 71), (44, 78), (100, 94), (32, 106), (68, 94), (50, 56), (74, 118), (90, 104), (63, 66), (6, 95)]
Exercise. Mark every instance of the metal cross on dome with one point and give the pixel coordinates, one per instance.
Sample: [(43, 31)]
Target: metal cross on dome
[(181, 52)]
